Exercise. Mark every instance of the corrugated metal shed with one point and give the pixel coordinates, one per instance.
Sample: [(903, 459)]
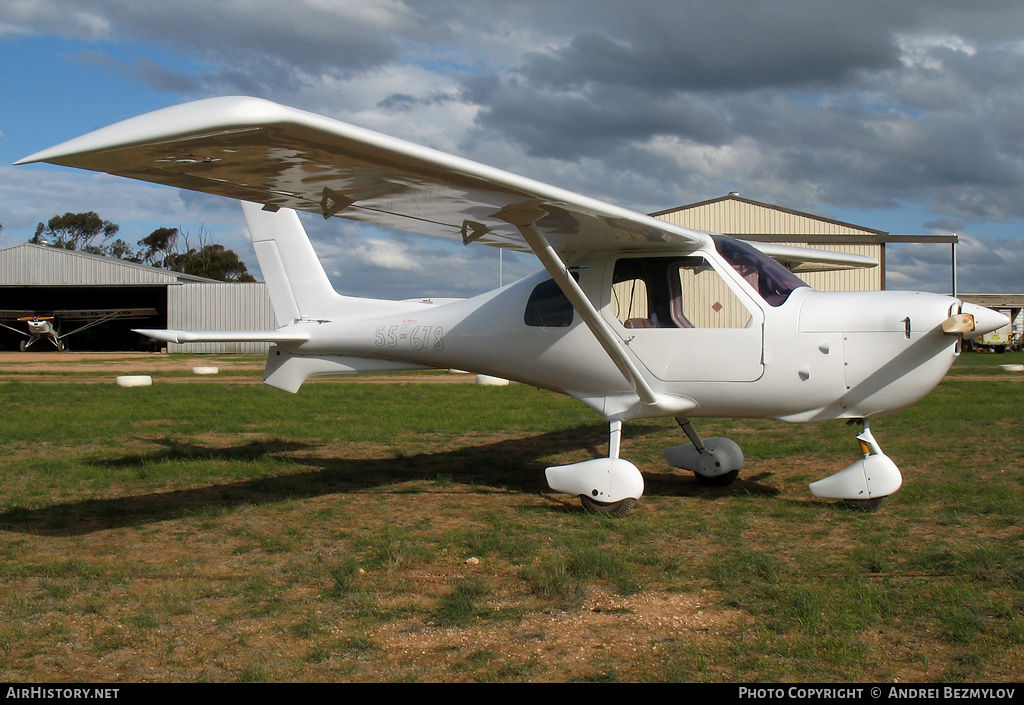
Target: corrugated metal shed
[(38, 265), (220, 306), (752, 220), (37, 277)]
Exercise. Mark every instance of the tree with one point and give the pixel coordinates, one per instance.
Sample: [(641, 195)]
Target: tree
[(122, 250), (158, 245), (76, 231), (79, 231), (212, 262)]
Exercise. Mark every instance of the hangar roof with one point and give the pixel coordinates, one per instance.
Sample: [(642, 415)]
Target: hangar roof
[(37, 265), (995, 300), (753, 220)]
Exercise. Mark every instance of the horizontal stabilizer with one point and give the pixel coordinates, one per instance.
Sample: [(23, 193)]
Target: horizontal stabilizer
[(223, 336), (287, 371)]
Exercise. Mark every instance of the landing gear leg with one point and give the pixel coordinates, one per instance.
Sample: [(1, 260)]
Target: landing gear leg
[(623, 506), (715, 462), (868, 482), (604, 485)]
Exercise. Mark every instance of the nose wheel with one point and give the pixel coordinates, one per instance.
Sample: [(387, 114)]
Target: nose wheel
[(865, 505)]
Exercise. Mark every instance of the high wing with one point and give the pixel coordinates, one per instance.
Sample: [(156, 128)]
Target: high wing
[(87, 314), (103, 314), (254, 150), (804, 259), (19, 313)]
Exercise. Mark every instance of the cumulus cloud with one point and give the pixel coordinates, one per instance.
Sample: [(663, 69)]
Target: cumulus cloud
[(303, 33), (808, 104), (982, 266), (870, 100)]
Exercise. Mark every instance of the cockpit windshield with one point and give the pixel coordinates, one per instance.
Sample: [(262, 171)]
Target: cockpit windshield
[(768, 278)]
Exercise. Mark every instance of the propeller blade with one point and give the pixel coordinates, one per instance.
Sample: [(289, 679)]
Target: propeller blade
[(958, 324)]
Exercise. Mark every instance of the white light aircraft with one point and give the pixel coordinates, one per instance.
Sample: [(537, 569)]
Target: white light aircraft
[(44, 326), (632, 316)]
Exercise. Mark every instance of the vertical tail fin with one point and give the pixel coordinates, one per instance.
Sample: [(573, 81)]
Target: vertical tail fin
[(298, 286), (300, 290), (296, 281)]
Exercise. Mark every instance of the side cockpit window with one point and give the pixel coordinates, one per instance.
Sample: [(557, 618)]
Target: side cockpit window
[(674, 292), (548, 307)]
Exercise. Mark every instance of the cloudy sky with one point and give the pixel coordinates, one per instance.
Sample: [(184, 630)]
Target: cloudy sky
[(906, 117)]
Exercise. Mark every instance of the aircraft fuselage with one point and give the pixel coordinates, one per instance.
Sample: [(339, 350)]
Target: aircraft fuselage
[(814, 356)]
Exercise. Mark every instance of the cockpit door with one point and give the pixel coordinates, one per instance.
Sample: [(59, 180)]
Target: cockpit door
[(685, 321)]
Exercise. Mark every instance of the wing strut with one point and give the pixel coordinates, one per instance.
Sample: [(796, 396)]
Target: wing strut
[(19, 332), (112, 316), (523, 216)]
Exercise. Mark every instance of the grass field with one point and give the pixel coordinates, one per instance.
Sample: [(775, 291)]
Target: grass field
[(212, 530)]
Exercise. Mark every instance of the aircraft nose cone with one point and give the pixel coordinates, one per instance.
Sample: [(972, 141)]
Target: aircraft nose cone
[(985, 319)]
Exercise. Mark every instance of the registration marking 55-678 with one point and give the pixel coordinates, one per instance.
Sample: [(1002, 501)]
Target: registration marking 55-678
[(418, 338)]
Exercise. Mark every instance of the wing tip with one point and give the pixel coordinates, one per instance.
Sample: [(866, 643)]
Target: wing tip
[(209, 113)]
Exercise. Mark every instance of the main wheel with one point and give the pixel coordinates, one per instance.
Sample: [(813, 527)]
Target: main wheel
[(718, 480), (614, 509), (866, 505)]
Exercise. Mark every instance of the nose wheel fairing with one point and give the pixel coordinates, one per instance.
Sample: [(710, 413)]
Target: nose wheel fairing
[(865, 482)]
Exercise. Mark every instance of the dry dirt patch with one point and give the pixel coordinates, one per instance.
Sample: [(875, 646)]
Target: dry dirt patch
[(574, 644)]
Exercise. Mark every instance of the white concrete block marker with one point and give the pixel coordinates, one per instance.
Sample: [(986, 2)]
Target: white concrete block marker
[(134, 381)]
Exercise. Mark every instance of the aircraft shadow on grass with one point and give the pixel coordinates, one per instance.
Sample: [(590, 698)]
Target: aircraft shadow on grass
[(515, 465)]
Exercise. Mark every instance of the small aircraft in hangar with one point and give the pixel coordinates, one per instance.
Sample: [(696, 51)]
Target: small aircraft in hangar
[(632, 316), (46, 326)]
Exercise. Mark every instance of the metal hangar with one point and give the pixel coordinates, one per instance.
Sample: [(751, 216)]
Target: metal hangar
[(44, 281)]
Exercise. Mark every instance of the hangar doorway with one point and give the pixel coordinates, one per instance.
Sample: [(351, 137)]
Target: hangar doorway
[(87, 318)]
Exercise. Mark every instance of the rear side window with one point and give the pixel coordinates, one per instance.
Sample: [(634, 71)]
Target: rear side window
[(548, 307)]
